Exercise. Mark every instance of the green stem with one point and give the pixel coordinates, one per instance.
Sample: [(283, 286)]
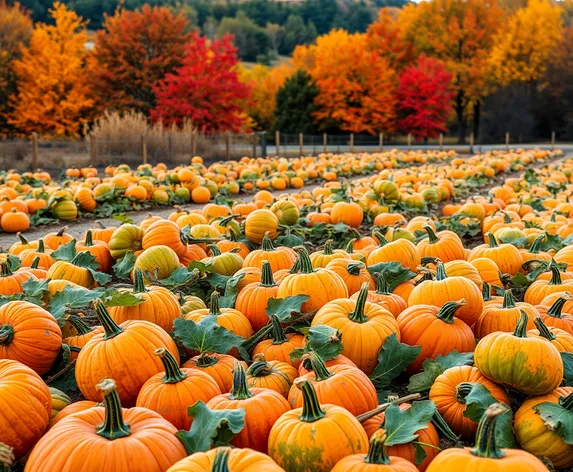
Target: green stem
[(536, 246), (267, 244), (277, 333), (381, 285), (543, 329), (35, 263), (205, 360), (486, 292), (440, 271), (260, 367), (138, 282), (41, 246), (214, 305), (6, 334), (492, 240), (358, 315), (305, 263), (521, 326), (311, 409), (485, 438), (113, 426), (508, 299), (557, 307), (221, 462), (382, 241), (463, 390), (240, 388), (319, 368), (429, 260), (267, 275), (110, 327), (5, 270), (89, 240), (567, 402), (447, 312), (81, 327), (377, 451), (327, 251), (215, 251), (354, 268), (23, 240), (173, 374), (555, 274), (350, 246), (6, 458), (431, 234)]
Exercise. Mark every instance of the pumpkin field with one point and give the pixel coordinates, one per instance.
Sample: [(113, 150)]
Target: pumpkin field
[(395, 311)]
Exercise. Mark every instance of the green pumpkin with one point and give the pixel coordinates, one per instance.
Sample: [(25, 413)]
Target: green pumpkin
[(65, 210), (223, 264), (286, 211)]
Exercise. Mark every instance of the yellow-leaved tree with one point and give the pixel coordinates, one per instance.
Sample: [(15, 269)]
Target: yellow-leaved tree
[(54, 98), (525, 44)]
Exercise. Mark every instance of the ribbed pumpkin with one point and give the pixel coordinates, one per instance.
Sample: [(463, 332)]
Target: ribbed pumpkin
[(536, 437), (364, 327), (444, 289), (446, 245), (506, 256), (218, 366), (353, 273), (101, 439), (102, 233), (280, 344), (190, 303), (315, 437), (250, 275), (488, 298), (25, 406), (486, 456), (71, 409), (261, 223), (252, 300), (488, 270), (263, 407), (401, 250), (223, 263), (125, 238), (164, 233), (11, 282), (381, 296), (503, 316), (98, 249), (59, 401), (457, 268), (305, 366), (194, 253), (436, 330), (30, 335), (64, 270), (169, 393), (449, 391), (227, 245), (341, 385), (530, 365), (28, 256), (561, 339), (321, 285), (539, 289), (54, 240), (158, 261), (534, 252), (276, 375), (554, 315), (322, 257), (136, 341), (160, 305), (226, 459), (22, 244), (281, 257), (84, 333)]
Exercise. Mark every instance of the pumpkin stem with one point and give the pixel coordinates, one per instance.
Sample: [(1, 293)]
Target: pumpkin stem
[(5, 270), (89, 240), (555, 274), (221, 462), (214, 305), (358, 315), (486, 292), (521, 325), (240, 388), (431, 234), (327, 251), (277, 333), (266, 244), (350, 246), (377, 451), (463, 389), (305, 262), (260, 367), (382, 241), (35, 263), (60, 233), (205, 360), (6, 334), (296, 267), (41, 246), (543, 329), (311, 409), (354, 268), (567, 402), (447, 312), (215, 251), (508, 299), (110, 327), (429, 260), (23, 240), (485, 436), (113, 426), (6, 458), (138, 282), (536, 246), (319, 368), (267, 275), (81, 327), (381, 284), (173, 374), (557, 307), (492, 240), (440, 271)]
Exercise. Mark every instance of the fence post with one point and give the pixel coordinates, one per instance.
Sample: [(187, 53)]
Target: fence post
[(264, 144), (351, 142), (278, 142), (381, 142), (472, 143), (552, 140), (227, 146), (193, 144), (255, 145), (507, 141), (409, 141), (441, 141), (93, 149), (300, 143), (144, 149), (324, 141), (34, 151)]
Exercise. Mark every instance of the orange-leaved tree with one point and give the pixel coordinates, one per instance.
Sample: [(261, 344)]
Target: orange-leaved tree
[(385, 37), (54, 97), (356, 85)]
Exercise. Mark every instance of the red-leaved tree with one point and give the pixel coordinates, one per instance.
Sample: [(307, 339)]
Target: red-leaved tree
[(206, 89), (425, 98)]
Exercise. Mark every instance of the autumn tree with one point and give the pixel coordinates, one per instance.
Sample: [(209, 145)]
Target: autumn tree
[(15, 32), (133, 52), (461, 33), (264, 83), (356, 85), (425, 97), (525, 44), (205, 89), (295, 104), (54, 96), (385, 37)]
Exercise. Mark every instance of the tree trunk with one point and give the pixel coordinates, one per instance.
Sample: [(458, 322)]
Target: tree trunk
[(477, 115), (461, 119)]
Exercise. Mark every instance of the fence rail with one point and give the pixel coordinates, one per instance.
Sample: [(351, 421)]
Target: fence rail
[(178, 148)]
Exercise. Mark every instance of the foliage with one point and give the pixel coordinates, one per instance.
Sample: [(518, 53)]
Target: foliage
[(295, 104), (432, 368), (385, 37), (250, 39), (296, 32), (394, 357)]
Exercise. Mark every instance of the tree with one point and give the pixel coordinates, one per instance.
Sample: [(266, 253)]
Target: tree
[(425, 97), (320, 12), (133, 52), (460, 33), (15, 33), (40, 9), (295, 104), (524, 46), (385, 37), (54, 96), (355, 18), (357, 86), (205, 89), (296, 32), (249, 38), (264, 83)]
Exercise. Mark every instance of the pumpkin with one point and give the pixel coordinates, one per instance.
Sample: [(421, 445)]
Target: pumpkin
[(401, 250), (443, 289), (169, 393), (275, 375), (261, 223), (349, 213), (223, 264), (59, 401), (364, 327), (72, 271), (278, 257), (226, 459), (22, 245), (262, 409), (83, 334), (488, 270), (125, 238), (321, 285), (227, 245), (100, 438), (381, 296), (436, 330), (534, 252), (554, 314), (353, 273), (28, 256), (540, 288), (560, 338), (506, 256), (157, 261), (11, 282), (322, 258), (54, 240), (530, 365), (250, 275), (137, 341), (446, 245), (25, 406), (71, 409), (218, 366), (280, 345), (30, 335), (164, 233), (488, 298), (102, 233), (286, 211), (449, 391), (457, 268), (98, 249), (305, 366), (341, 385), (486, 455)]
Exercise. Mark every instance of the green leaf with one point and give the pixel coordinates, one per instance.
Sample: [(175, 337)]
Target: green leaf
[(393, 359), (393, 272), (66, 252), (14, 262), (324, 340), (477, 402), (401, 425), (419, 453), (70, 297), (86, 260), (122, 298), (63, 375), (558, 419), (567, 358), (35, 290), (123, 219), (178, 277), (454, 359), (231, 291), (210, 428), (432, 368), (205, 336), (203, 267), (284, 308), (123, 267), (100, 277)]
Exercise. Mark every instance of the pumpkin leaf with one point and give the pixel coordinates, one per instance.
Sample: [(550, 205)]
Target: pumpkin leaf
[(210, 428), (432, 368), (393, 358), (443, 428), (66, 252), (567, 358), (558, 419), (205, 336), (477, 402), (401, 425), (123, 219), (123, 267), (323, 340), (70, 297), (14, 262), (121, 298), (100, 277), (454, 359), (63, 375), (231, 291), (34, 290), (419, 453), (393, 272), (284, 308), (203, 267), (178, 278)]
